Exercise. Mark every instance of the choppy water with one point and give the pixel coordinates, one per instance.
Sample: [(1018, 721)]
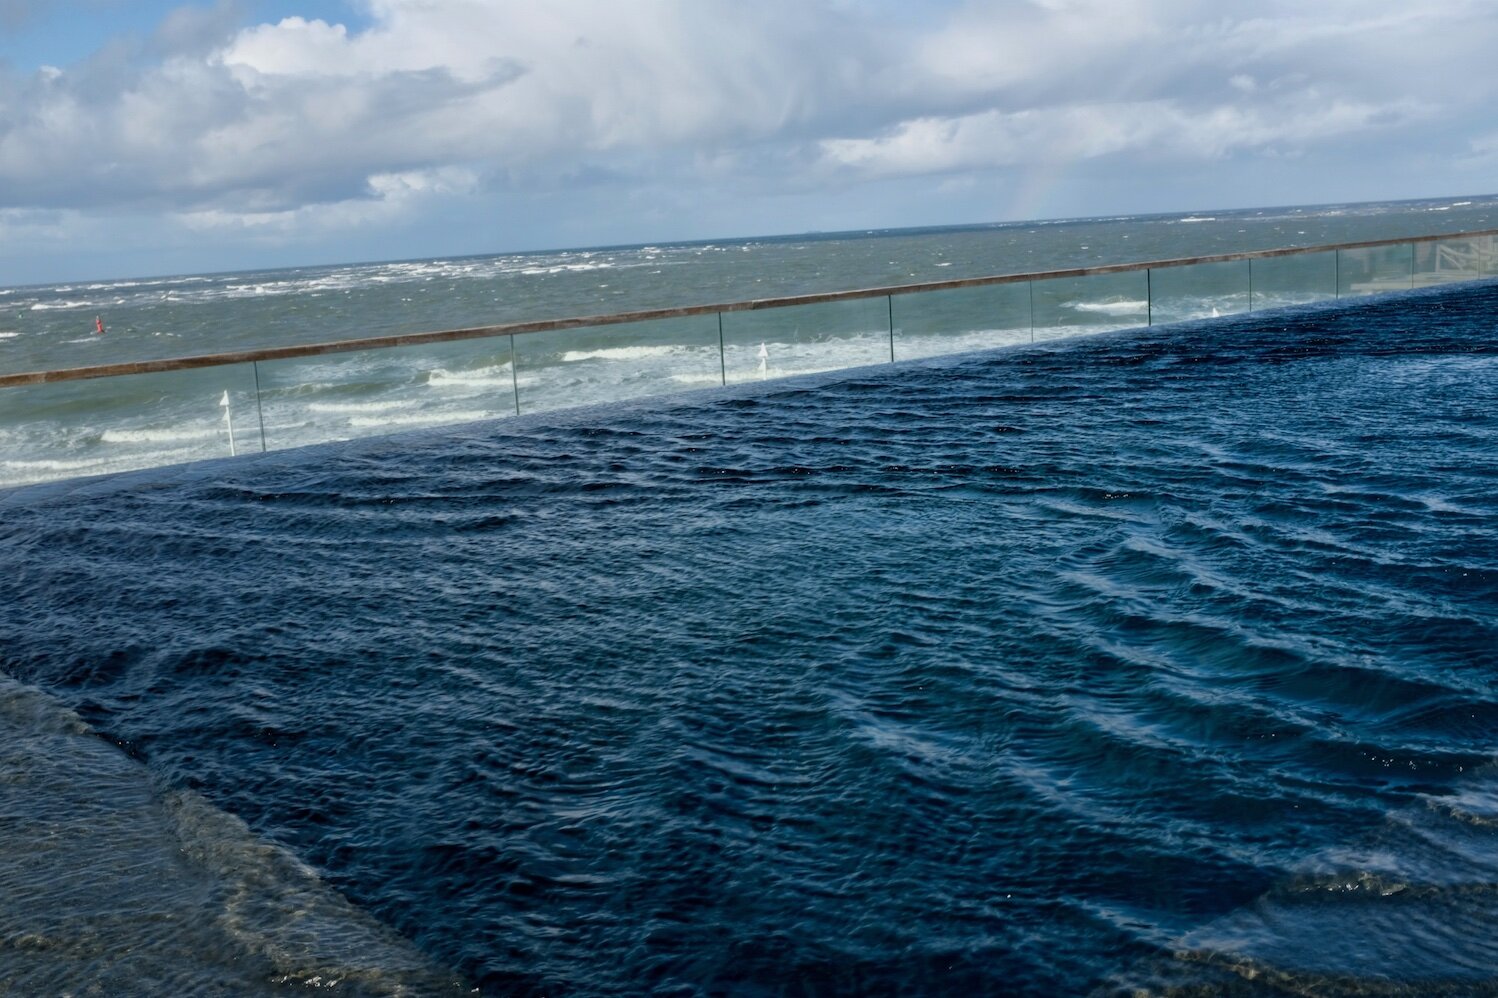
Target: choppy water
[(52, 326), (1163, 660), (83, 428)]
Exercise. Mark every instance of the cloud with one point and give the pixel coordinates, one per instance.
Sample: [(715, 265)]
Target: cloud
[(301, 111), (1152, 129), (309, 125), (15, 13), (388, 196), (1482, 151), (33, 226), (1065, 81)]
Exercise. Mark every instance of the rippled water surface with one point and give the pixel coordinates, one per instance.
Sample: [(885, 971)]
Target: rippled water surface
[(1161, 660)]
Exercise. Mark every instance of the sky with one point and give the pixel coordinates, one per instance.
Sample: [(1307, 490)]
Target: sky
[(143, 138)]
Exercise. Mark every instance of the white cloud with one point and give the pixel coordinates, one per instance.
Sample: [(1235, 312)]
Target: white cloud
[(1152, 129), (294, 47), (387, 197), (307, 125), (1482, 151)]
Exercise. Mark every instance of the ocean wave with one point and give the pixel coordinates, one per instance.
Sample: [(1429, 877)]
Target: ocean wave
[(424, 418), (43, 306), (633, 353), (1126, 307), (355, 407), (497, 374), (69, 467), (163, 436)]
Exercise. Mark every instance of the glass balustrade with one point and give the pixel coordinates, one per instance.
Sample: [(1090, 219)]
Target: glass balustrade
[(93, 426), (1077, 306), (1374, 270), (1297, 279), (340, 396), (1448, 261), (931, 323), (68, 429), (804, 339), (592, 364), (1199, 291)]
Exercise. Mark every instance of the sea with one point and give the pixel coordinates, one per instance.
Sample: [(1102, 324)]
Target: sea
[(77, 429), (1155, 661)]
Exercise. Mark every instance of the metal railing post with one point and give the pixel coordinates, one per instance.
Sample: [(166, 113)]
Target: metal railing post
[(259, 405), (1030, 287), (514, 375), (890, 301)]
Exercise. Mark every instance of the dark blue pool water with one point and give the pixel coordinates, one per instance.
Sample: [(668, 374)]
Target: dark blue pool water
[(1164, 660)]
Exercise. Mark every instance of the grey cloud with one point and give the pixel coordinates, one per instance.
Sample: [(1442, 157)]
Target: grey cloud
[(765, 95), (196, 31), (191, 136), (15, 14)]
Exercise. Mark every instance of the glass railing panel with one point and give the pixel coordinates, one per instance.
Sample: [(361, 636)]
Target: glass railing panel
[(69, 429), (1374, 269), (932, 323), (1072, 306), (1294, 279), (611, 363), (1198, 291), (803, 339), (341, 396), (1448, 261)]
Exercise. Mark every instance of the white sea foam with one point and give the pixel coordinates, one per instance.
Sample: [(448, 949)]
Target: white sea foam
[(40, 469), (348, 407), (173, 434), (423, 418), (45, 306), (631, 353), (79, 466), (439, 377), (113, 285), (1128, 307), (7, 335), (562, 268)]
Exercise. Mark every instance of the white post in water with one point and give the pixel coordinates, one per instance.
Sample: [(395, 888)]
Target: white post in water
[(764, 362), (228, 421)]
